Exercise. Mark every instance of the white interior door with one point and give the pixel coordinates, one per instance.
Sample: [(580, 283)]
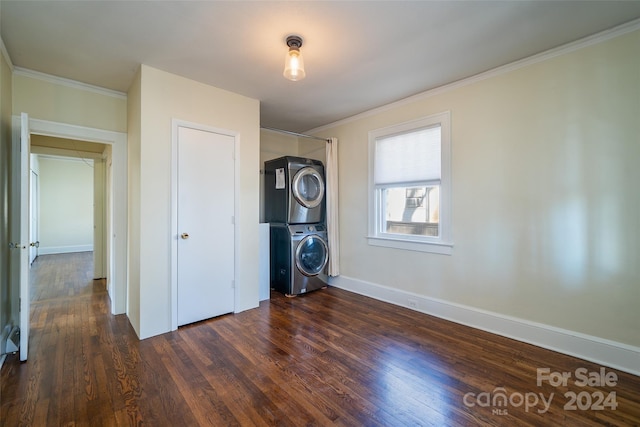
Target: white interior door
[(19, 271), (206, 206), (25, 303)]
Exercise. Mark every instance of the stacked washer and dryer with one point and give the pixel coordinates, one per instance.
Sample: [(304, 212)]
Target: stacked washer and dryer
[(295, 208)]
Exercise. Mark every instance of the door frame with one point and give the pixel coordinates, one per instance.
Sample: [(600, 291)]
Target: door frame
[(34, 212), (175, 125), (117, 280)]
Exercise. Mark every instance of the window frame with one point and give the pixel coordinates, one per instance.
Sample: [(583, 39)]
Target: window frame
[(443, 244)]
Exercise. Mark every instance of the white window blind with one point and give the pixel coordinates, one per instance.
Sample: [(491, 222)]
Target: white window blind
[(409, 157)]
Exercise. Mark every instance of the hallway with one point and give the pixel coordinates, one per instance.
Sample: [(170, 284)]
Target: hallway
[(63, 276), (75, 347)]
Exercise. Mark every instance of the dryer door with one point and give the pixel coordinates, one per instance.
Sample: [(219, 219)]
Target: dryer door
[(312, 255), (308, 187)]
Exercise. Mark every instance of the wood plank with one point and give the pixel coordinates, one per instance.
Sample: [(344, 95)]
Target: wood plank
[(326, 358)]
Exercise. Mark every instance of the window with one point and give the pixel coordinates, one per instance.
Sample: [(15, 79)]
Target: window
[(410, 185)]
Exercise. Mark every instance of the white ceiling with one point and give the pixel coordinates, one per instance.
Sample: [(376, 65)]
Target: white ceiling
[(358, 55)]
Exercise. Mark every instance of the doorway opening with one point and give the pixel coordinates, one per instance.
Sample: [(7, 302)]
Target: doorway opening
[(68, 210), (115, 146), (24, 129)]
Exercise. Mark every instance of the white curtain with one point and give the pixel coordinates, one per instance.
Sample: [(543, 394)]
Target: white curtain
[(333, 224)]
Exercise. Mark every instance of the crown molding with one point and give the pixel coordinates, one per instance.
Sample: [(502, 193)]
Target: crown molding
[(68, 83), (600, 37)]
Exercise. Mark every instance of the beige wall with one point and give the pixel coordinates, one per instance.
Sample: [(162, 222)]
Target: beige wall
[(545, 199), (8, 296), (66, 205), (58, 102), (163, 97), (312, 149), (275, 144)]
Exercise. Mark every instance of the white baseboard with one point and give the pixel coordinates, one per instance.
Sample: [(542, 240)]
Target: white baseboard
[(598, 350), (49, 250)]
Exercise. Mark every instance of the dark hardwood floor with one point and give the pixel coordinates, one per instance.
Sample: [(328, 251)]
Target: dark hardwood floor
[(327, 358)]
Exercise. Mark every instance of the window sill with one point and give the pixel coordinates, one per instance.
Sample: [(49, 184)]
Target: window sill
[(411, 245)]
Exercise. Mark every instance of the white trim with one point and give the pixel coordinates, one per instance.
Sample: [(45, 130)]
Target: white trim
[(118, 278), (5, 55), (504, 69), (80, 133), (68, 83), (49, 250), (175, 124), (64, 154), (598, 350), (409, 245)]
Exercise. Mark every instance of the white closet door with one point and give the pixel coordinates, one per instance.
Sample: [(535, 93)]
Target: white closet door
[(205, 225)]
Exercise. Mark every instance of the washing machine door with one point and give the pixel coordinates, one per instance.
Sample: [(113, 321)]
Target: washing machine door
[(308, 187), (312, 255)]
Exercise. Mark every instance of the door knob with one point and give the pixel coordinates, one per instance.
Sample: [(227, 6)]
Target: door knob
[(184, 236)]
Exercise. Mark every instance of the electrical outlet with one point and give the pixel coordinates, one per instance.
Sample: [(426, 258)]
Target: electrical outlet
[(412, 303)]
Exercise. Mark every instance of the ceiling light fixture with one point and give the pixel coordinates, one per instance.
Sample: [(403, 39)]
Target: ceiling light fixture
[(293, 63)]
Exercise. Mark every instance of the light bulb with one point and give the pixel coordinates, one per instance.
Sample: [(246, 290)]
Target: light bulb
[(294, 64)]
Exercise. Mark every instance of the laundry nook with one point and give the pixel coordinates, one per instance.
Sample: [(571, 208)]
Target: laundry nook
[(295, 208)]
